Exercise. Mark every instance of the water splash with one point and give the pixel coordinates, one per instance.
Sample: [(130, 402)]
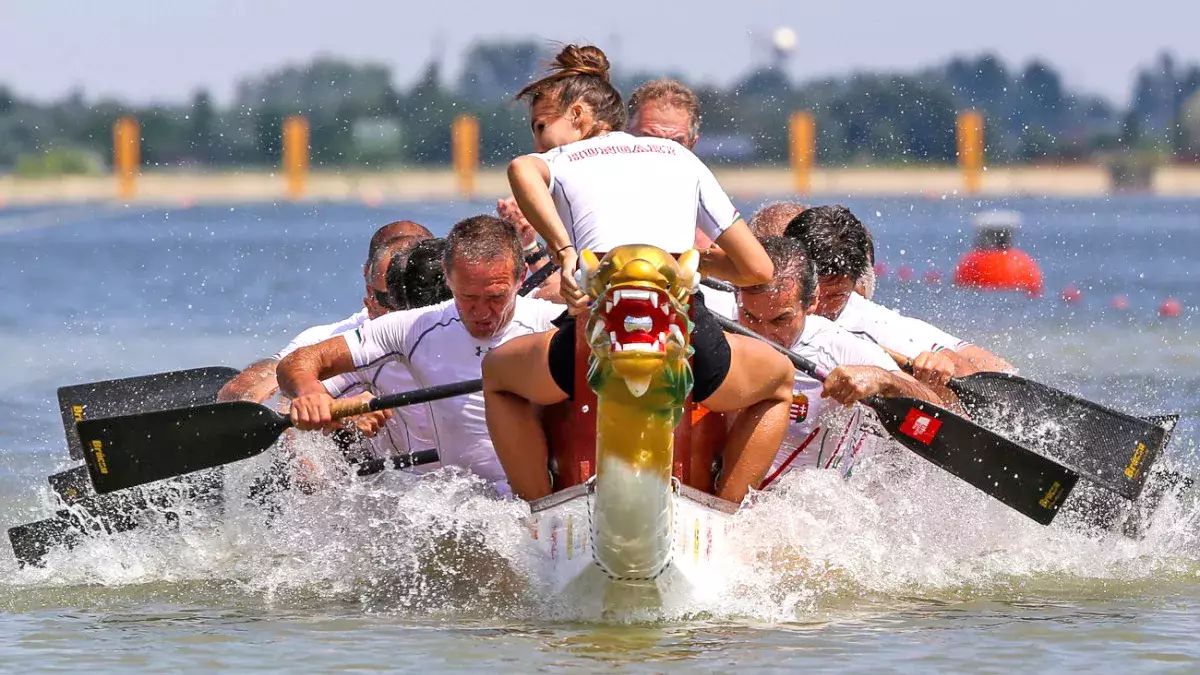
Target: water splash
[(441, 545)]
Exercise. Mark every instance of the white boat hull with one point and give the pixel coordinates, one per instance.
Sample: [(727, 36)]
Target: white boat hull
[(563, 551)]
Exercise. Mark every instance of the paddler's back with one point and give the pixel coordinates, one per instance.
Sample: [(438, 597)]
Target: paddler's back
[(620, 189)]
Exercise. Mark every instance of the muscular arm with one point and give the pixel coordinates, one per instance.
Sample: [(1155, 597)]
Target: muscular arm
[(850, 384), (300, 373), (971, 359), (740, 260), (903, 384), (256, 383)]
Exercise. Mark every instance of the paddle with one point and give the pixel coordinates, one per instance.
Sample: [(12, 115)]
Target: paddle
[(71, 485), (136, 449), (1106, 446), (110, 514), (1018, 477), (130, 395)]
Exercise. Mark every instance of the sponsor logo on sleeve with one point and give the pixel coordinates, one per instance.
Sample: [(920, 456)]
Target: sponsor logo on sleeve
[(77, 412), (920, 426)]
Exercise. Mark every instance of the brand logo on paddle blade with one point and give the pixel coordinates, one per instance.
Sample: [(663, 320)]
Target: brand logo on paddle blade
[(798, 411), (1052, 497), (920, 426), (77, 412), (1135, 463), (98, 452)]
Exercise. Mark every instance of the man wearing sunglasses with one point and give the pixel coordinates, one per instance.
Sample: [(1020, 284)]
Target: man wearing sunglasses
[(257, 382)]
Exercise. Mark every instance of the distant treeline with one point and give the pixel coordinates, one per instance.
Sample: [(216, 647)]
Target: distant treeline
[(359, 117)]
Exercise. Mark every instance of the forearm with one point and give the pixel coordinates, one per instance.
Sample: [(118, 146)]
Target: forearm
[(256, 383), (529, 187), (900, 384), (716, 263), (301, 372), (972, 359)]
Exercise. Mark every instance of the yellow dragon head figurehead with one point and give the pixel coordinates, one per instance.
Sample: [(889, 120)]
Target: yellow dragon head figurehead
[(639, 329)]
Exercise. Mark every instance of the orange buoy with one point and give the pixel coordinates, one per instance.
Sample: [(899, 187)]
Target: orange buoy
[(993, 264)]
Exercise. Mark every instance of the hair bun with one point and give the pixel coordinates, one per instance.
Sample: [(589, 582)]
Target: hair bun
[(582, 60)]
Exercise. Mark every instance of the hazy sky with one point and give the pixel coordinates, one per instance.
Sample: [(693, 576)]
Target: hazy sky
[(165, 49)]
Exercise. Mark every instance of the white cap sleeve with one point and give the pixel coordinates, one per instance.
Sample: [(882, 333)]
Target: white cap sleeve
[(715, 212), (381, 337), (340, 384)]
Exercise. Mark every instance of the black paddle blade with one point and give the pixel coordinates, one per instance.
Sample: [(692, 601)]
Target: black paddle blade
[(124, 452), (32, 541), (130, 395), (1014, 475), (1106, 446), (71, 485)]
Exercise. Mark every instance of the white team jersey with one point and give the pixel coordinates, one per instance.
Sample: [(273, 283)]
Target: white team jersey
[(721, 303), (887, 328), (410, 428), (834, 428), (438, 350), (316, 334), (618, 189)]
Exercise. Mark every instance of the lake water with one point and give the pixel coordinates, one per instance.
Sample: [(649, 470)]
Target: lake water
[(899, 569)]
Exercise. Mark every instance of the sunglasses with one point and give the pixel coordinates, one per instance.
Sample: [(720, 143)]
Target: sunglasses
[(385, 300)]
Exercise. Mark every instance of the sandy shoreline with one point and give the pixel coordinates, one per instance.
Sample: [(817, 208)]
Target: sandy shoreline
[(441, 184)]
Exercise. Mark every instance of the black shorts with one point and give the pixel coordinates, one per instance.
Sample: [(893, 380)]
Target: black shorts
[(710, 363)]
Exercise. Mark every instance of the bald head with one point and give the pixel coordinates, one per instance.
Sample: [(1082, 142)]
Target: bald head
[(771, 219), (391, 232)]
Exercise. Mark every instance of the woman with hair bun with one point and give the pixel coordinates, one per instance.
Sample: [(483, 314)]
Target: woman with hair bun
[(590, 185)]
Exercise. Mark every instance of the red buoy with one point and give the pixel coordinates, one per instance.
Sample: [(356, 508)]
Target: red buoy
[(1170, 309), (1071, 295), (993, 264)]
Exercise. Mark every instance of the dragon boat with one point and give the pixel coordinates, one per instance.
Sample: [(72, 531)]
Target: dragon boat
[(632, 456)]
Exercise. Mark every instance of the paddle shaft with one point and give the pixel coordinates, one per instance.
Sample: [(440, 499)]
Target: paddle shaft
[(350, 407), (537, 278)]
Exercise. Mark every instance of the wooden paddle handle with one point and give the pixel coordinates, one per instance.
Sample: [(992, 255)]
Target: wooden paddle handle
[(901, 360), (349, 407)]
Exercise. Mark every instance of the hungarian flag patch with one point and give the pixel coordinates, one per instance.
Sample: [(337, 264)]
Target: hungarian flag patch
[(798, 410), (920, 426)]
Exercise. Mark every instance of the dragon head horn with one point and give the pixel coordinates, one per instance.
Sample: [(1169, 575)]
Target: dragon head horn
[(689, 272), (588, 265)]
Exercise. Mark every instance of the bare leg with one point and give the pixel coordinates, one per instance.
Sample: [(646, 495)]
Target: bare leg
[(516, 376), (760, 381)]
